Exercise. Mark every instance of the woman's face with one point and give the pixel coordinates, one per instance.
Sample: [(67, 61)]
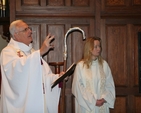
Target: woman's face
[(96, 49)]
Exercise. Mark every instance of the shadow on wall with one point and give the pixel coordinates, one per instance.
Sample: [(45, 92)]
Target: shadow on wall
[(3, 43), (0, 82)]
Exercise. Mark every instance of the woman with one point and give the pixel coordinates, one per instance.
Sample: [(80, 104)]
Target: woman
[(93, 85)]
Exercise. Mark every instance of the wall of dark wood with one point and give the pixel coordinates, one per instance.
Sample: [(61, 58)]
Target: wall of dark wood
[(117, 22)]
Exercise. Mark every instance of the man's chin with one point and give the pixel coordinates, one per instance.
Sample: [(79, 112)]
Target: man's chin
[(31, 39)]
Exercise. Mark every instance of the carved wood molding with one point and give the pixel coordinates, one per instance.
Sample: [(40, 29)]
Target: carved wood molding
[(137, 2), (115, 2)]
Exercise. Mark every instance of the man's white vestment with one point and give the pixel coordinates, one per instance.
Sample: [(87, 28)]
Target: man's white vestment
[(23, 74)]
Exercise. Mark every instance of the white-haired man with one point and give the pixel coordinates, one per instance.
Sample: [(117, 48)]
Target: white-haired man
[(26, 77)]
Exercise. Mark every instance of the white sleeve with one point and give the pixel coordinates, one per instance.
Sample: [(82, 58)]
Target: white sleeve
[(52, 94), (109, 94)]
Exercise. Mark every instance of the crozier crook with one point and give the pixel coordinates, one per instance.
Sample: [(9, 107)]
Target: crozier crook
[(65, 43)]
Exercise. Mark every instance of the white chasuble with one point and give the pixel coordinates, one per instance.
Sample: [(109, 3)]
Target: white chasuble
[(92, 84), (22, 78)]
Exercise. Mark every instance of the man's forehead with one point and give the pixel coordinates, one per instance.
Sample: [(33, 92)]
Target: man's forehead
[(22, 26)]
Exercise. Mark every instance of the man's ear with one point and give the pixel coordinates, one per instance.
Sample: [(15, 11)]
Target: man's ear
[(15, 36)]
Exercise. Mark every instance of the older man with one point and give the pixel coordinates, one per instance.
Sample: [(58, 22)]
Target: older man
[(26, 77)]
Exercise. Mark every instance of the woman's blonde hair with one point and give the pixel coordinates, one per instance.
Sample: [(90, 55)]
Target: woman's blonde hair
[(88, 47)]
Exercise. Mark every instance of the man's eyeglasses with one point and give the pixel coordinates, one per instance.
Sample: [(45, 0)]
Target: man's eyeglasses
[(26, 29)]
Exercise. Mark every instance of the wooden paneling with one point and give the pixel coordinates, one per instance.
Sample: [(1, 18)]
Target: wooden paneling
[(136, 2), (121, 8), (30, 2), (121, 38), (36, 35), (137, 103), (54, 8), (80, 3), (118, 107), (115, 2), (136, 29), (116, 49), (57, 54), (56, 3)]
